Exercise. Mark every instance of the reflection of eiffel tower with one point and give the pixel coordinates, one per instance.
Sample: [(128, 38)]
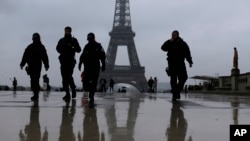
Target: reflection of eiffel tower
[(122, 35), (122, 127)]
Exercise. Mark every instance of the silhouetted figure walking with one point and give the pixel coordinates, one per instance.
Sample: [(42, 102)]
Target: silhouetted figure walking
[(14, 83), (67, 47), (91, 56), (103, 82), (46, 82), (150, 84), (186, 89), (34, 55), (155, 85), (82, 78), (111, 85), (177, 51)]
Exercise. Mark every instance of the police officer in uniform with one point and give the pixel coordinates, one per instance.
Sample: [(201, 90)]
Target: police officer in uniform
[(91, 56), (177, 52), (67, 47), (34, 55)]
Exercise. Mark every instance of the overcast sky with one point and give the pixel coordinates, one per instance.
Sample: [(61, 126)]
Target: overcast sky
[(211, 28)]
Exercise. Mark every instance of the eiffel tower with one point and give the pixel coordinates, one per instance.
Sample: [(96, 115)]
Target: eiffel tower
[(122, 35)]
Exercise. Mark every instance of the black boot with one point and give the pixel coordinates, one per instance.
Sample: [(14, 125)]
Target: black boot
[(174, 99), (35, 97), (66, 97), (91, 95), (175, 96), (178, 95), (73, 93), (91, 101), (73, 89)]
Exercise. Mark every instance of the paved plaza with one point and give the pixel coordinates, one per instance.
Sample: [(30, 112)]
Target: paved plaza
[(120, 117)]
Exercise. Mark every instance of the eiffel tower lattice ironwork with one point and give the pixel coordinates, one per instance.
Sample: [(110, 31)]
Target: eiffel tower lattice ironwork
[(122, 35)]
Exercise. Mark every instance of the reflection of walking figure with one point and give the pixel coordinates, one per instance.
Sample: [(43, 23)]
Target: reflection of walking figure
[(177, 51), (150, 84), (34, 55), (91, 56), (67, 47), (178, 124), (32, 131), (90, 127), (66, 128), (14, 83), (111, 85), (155, 85)]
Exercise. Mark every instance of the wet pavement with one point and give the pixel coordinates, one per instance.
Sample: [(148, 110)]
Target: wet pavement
[(121, 117)]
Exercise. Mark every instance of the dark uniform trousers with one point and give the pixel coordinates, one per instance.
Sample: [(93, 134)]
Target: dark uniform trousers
[(91, 74), (177, 81), (34, 73), (67, 69)]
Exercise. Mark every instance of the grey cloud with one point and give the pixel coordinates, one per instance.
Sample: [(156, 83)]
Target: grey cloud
[(210, 28)]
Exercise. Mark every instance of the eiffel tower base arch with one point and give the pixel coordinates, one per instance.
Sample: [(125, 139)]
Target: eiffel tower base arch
[(135, 78)]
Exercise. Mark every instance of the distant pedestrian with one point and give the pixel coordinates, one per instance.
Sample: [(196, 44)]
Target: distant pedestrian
[(155, 85), (82, 79), (67, 47), (186, 89), (46, 85), (14, 83), (103, 82), (111, 85), (91, 56), (177, 51), (34, 55), (150, 84)]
